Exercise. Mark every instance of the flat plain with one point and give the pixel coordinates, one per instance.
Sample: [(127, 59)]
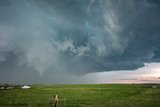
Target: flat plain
[(83, 95)]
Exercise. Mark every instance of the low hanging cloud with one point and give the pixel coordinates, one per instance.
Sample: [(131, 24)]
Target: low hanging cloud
[(78, 37)]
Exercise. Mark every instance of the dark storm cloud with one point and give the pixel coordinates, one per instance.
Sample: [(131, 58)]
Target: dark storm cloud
[(77, 36)]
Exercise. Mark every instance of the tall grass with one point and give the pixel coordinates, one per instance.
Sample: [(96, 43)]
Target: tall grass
[(102, 95)]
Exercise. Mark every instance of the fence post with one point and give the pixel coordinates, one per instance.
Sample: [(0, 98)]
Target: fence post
[(56, 101)]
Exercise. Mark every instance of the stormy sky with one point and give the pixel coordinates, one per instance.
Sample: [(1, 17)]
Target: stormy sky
[(64, 41)]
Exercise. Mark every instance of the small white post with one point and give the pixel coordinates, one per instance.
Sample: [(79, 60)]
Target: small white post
[(56, 101)]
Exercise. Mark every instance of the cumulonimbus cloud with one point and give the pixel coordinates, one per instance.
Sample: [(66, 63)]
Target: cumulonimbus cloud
[(78, 37)]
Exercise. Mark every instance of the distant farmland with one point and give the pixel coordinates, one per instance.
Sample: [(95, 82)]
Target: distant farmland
[(102, 95)]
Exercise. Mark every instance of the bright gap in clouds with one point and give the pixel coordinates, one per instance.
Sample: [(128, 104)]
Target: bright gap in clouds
[(150, 73)]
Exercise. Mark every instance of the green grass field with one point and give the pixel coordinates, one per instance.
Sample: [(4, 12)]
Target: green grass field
[(100, 95)]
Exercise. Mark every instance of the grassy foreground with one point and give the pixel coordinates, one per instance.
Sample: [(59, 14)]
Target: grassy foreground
[(101, 95)]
